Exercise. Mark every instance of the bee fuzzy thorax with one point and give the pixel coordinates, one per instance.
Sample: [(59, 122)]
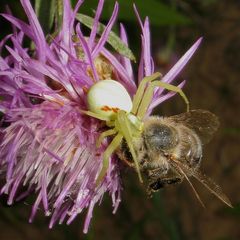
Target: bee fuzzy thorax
[(160, 134), (174, 140)]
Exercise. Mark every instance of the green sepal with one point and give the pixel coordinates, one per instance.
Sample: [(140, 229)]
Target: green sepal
[(113, 39)]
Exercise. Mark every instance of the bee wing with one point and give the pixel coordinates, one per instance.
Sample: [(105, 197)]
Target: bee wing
[(206, 181), (180, 171), (203, 122)]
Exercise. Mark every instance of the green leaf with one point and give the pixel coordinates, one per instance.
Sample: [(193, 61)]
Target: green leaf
[(160, 14), (231, 130), (113, 39), (58, 14), (45, 11)]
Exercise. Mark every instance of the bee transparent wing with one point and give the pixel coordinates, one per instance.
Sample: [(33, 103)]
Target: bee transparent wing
[(206, 181), (203, 122), (212, 187), (180, 171)]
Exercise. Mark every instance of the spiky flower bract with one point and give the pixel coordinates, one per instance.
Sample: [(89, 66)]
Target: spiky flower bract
[(48, 147)]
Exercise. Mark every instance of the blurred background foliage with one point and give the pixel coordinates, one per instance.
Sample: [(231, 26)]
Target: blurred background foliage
[(213, 84)]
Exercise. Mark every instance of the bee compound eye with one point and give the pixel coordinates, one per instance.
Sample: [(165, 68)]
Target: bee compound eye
[(160, 137)]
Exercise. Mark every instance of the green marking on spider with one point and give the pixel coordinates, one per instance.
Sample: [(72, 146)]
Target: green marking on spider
[(123, 123), (140, 91), (128, 136), (106, 155), (147, 97), (96, 115), (105, 134)]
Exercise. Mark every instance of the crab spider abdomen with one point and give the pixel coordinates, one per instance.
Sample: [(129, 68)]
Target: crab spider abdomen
[(107, 97)]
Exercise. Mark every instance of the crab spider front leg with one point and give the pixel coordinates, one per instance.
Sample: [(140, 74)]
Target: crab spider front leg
[(105, 134), (128, 136), (147, 97), (140, 91), (96, 115), (107, 154)]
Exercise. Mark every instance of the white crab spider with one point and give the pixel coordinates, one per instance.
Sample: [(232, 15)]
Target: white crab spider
[(109, 101)]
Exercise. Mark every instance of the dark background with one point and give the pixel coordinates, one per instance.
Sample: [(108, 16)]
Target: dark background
[(213, 83)]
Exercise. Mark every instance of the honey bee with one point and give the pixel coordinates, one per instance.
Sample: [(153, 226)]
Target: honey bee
[(170, 150)]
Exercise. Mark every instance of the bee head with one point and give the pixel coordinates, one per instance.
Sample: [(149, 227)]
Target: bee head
[(160, 137)]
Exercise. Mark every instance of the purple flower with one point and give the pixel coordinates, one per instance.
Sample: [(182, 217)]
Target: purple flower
[(49, 147)]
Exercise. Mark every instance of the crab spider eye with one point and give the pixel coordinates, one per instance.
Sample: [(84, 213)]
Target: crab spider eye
[(106, 97)]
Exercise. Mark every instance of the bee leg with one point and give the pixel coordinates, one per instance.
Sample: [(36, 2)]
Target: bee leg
[(123, 158), (130, 164), (157, 173), (161, 183)]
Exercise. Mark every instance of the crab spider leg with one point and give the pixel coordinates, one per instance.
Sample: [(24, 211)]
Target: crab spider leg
[(105, 134), (128, 136), (95, 115), (147, 97), (140, 91), (106, 155)]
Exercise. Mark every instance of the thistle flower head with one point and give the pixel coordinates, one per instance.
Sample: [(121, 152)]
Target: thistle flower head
[(49, 146)]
